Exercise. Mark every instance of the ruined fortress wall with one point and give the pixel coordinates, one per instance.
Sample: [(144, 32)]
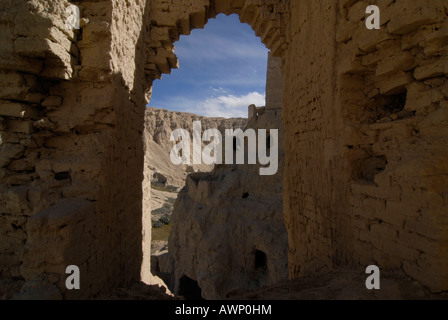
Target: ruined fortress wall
[(365, 126), (397, 141), (313, 207), (365, 133), (71, 153)]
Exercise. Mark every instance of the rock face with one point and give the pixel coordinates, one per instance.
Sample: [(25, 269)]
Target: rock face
[(159, 124), (364, 114), (228, 231)]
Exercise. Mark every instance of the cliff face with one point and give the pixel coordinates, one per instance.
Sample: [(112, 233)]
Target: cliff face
[(228, 231), (159, 124)]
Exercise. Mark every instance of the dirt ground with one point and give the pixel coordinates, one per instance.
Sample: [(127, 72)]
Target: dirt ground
[(342, 284)]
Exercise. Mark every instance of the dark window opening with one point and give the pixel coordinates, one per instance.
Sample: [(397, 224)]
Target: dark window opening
[(62, 176), (245, 195), (384, 108), (189, 289), (260, 260), (268, 143)]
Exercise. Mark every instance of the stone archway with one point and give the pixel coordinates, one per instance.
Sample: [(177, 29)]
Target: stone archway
[(169, 22)]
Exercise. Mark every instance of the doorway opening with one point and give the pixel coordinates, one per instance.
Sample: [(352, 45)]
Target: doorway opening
[(260, 260), (222, 71), (190, 289), (224, 101)]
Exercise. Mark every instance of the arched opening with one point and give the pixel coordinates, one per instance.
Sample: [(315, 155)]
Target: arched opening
[(266, 117), (222, 69)]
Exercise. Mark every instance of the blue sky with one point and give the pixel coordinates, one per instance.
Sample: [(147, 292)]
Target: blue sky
[(222, 71)]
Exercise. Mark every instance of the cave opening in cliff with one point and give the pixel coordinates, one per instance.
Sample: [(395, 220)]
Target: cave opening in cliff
[(189, 289), (260, 260)]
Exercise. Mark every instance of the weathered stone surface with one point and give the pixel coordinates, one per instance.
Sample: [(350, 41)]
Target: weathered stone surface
[(9, 152)]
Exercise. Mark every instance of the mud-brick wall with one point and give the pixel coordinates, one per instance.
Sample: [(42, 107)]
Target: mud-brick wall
[(394, 91), (366, 133), (315, 203), (71, 158)]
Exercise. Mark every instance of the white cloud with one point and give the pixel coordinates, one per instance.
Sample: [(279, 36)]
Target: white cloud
[(229, 106), (226, 106)]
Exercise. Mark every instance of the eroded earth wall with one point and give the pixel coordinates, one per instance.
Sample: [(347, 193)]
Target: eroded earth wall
[(365, 125), (72, 107)]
